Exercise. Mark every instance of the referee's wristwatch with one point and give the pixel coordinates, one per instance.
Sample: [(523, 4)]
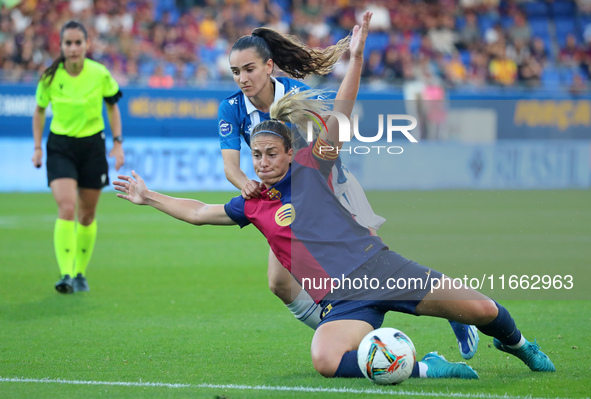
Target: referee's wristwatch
[(118, 139)]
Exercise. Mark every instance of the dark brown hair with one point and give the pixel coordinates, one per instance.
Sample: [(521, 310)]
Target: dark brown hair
[(290, 54)]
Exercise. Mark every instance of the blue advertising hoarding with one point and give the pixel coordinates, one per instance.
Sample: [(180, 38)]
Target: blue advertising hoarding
[(171, 137)]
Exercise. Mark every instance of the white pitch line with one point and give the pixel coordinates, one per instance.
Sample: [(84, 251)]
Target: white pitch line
[(370, 391)]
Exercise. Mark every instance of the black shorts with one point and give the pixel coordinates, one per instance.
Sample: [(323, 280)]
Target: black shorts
[(82, 159)]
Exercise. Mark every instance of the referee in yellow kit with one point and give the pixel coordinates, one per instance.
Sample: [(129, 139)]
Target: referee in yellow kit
[(77, 167)]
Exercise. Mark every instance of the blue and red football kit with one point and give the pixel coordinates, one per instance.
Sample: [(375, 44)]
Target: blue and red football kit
[(308, 229), (315, 237)]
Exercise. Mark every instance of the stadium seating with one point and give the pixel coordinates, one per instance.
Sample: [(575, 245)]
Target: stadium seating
[(551, 21)]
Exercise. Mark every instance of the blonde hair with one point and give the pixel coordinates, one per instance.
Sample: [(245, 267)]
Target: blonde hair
[(296, 108)]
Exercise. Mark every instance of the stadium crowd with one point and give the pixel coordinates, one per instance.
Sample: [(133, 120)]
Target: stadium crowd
[(166, 43)]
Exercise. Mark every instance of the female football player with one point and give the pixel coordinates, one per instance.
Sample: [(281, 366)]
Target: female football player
[(77, 167)]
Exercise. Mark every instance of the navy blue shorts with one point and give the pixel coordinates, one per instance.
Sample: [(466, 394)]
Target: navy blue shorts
[(386, 282)]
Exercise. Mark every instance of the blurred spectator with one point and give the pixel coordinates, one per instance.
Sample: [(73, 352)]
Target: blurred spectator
[(571, 55), (200, 77), (521, 29), (119, 73), (530, 72), (578, 86), (427, 70), (470, 34), (478, 70), (160, 79), (503, 69), (186, 41), (5, 30), (434, 108), (380, 21), (494, 34), (393, 63), (455, 71), (208, 27), (426, 49), (317, 28), (131, 72), (374, 67), (444, 36), (20, 18), (584, 6), (518, 51), (538, 51), (276, 23), (309, 8)]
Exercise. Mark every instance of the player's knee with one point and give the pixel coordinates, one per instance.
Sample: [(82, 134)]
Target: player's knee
[(67, 210), (484, 312), (281, 290), (326, 362), (85, 218)]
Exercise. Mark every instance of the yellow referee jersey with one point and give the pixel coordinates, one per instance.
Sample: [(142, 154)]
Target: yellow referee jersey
[(77, 101)]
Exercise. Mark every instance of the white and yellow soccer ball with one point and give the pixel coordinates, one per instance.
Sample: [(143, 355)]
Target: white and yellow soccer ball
[(386, 356)]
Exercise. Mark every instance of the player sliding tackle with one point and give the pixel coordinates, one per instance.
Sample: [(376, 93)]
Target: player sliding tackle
[(252, 61), (315, 237)]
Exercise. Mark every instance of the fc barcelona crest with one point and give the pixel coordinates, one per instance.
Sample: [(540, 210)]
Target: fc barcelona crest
[(274, 194)]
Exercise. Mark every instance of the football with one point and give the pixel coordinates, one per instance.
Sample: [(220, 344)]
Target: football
[(386, 356)]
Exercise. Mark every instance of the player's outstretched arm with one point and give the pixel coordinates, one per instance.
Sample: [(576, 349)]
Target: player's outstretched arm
[(191, 211), (347, 94)]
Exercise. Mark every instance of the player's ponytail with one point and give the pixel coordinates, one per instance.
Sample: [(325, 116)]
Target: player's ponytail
[(49, 73), (290, 54)]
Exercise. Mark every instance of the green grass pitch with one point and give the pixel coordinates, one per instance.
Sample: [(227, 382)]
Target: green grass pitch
[(172, 303)]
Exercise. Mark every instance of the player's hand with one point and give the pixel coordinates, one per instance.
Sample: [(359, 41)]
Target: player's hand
[(135, 191), (117, 152), (252, 189), (37, 157), (359, 36)]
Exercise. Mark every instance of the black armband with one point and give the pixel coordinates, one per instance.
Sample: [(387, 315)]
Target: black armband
[(114, 98)]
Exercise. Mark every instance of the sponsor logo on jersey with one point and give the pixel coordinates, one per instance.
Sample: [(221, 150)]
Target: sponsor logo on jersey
[(285, 215), (274, 194), (225, 128)]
